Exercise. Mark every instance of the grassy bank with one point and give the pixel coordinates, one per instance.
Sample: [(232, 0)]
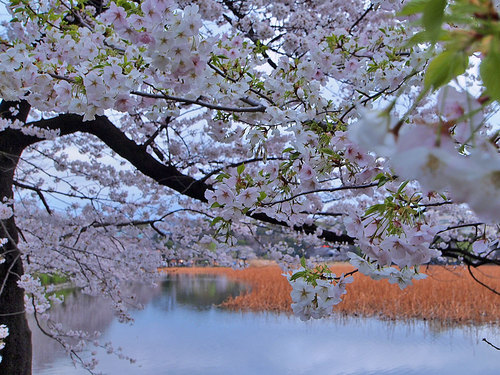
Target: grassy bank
[(449, 294)]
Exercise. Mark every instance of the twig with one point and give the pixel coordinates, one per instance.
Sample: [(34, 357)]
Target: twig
[(360, 19), (489, 343), (259, 108), (38, 192), (326, 190), (57, 339), (237, 164), (460, 226), (480, 282)]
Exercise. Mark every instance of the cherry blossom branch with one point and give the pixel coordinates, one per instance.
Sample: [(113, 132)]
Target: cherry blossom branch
[(249, 34), (171, 177), (460, 226), (9, 270), (360, 19), (69, 195), (256, 92), (326, 190), (38, 192), (151, 139), (332, 214), (255, 108), (436, 204), (470, 259), (73, 354), (325, 234), (137, 223), (13, 243), (235, 165)]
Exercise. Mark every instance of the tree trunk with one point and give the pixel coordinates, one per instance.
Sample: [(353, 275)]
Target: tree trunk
[(17, 354)]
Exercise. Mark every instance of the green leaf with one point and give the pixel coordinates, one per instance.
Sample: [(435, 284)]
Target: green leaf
[(215, 220), (327, 151), (297, 275), (414, 7), (403, 185), (433, 18), (490, 71), (420, 37), (445, 67), (375, 208), (303, 262), (240, 168)]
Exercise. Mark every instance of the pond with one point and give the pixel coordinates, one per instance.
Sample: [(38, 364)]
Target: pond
[(181, 332)]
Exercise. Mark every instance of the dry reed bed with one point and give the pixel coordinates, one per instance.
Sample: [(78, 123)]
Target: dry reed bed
[(448, 294)]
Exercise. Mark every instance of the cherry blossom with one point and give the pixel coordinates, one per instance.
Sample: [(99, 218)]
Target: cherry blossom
[(139, 131), (4, 332)]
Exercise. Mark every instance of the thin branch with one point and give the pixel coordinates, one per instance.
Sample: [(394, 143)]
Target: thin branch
[(38, 192), (360, 19), (467, 258), (14, 261), (8, 273), (259, 108), (57, 339), (235, 165), (134, 223), (326, 190), (250, 34), (323, 213), (146, 222), (256, 92), (437, 204), (460, 226), (14, 313), (155, 134), (480, 282), (489, 343), (84, 197)]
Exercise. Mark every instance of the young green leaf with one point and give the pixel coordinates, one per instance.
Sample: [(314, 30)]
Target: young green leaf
[(445, 67), (489, 70), (414, 7), (433, 18), (240, 168)]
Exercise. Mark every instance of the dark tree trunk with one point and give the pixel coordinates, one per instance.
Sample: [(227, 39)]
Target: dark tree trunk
[(16, 356)]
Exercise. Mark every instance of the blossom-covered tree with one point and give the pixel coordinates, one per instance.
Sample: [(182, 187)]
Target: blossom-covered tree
[(132, 130)]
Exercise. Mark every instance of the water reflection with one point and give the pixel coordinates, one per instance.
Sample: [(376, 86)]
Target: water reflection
[(201, 292), (180, 332), (79, 312)]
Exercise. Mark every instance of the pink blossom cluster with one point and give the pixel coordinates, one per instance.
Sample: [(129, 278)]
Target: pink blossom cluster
[(316, 300), (4, 332), (460, 161)]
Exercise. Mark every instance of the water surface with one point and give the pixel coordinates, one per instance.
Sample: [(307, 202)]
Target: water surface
[(181, 332)]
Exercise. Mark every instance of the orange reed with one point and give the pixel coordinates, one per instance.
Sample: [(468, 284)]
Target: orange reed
[(448, 294)]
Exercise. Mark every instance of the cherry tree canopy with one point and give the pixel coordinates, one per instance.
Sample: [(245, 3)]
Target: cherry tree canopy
[(136, 130)]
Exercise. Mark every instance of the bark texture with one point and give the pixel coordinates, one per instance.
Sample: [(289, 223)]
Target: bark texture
[(17, 354)]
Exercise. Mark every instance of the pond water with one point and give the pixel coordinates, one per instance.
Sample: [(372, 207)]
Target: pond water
[(180, 332)]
